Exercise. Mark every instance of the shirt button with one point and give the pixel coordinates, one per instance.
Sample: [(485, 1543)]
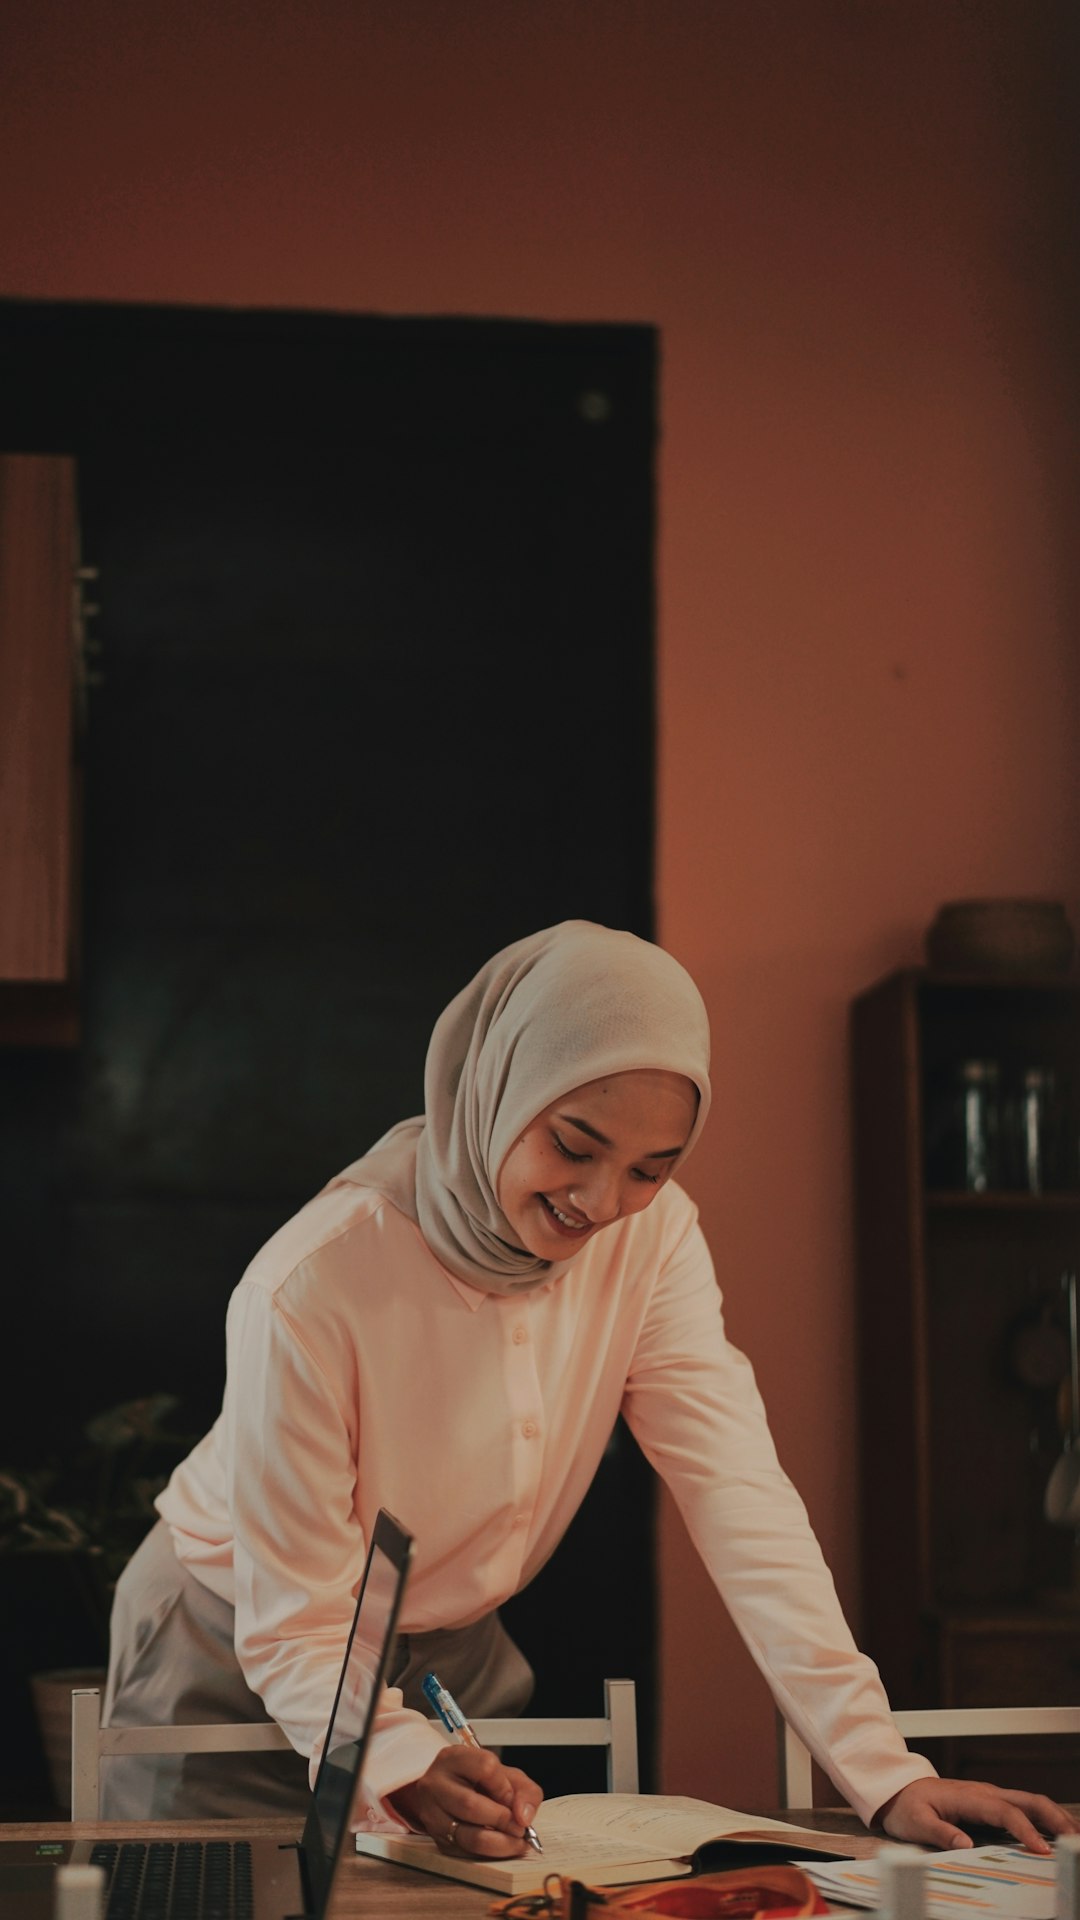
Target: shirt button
[(520, 1335), (529, 1429), (520, 1519)]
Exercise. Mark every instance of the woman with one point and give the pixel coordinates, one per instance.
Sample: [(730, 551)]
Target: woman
[(450, 1329)]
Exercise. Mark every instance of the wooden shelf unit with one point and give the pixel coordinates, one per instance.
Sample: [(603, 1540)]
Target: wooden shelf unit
[(968, 1591)]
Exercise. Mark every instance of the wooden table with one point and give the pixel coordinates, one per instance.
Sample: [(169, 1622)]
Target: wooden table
[(367, 1889)]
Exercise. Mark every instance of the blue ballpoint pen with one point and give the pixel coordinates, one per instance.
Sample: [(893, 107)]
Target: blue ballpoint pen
[(454, 1720)]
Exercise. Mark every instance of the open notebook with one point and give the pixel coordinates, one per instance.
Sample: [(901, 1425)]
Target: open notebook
[(256, 1878), (607, 1839)]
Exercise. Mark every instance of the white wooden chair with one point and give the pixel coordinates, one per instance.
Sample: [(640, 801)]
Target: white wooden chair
[(616, 1730), (925, 1723)]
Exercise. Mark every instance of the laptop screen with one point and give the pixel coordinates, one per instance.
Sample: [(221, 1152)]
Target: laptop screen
[(367, 1656)]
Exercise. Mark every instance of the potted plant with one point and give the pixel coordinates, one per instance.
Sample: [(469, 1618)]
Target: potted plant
[(67, 1529)]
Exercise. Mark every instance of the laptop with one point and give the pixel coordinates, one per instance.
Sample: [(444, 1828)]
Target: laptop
[(238, 1878)]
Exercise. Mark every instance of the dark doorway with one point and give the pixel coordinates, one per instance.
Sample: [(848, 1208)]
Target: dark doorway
[(376, 617)]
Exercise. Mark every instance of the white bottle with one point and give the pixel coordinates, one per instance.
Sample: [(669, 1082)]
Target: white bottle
[(901, 1882), (79, 1893), (1067, 1875)]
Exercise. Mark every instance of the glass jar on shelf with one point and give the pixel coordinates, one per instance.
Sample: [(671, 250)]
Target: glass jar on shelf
[(963, 1128), (1034, 1132)]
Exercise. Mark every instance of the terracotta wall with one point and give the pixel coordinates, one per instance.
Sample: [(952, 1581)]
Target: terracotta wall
[(852, 222)]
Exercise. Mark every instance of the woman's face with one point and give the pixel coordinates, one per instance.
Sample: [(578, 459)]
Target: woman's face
[(594, 1156)]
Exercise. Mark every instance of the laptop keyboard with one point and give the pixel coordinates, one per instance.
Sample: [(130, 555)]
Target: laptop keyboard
[(176, 1879)]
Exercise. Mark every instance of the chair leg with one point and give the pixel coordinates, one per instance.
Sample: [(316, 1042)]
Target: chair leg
[(622, 1756), (795, 1767), (85, 1721)]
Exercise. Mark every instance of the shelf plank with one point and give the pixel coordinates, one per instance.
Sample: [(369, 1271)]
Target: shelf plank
[(1002, 1201)]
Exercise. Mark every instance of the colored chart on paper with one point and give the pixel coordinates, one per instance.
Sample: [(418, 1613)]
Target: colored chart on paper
[(969, 1883)]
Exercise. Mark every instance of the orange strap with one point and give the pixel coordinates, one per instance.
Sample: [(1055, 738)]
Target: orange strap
[(743, 1893)]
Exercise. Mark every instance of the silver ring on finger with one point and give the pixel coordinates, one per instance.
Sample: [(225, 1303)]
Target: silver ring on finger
[(451, 1834)]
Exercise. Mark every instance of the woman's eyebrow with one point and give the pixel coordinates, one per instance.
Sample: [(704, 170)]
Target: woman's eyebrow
[(662, 1153)]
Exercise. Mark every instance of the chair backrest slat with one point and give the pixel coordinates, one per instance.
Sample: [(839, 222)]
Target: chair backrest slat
[(91, 1742), (925, 1723)]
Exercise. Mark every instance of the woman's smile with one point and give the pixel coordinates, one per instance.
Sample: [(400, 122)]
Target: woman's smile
[(568, 1222)]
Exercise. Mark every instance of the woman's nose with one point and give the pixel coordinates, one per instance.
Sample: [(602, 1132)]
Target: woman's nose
[(597, 1196)]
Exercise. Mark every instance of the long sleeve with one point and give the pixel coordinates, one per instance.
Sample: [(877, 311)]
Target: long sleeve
[(692, 1402), (298, 1548)]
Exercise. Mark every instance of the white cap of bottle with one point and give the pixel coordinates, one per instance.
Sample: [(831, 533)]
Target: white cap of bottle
[(79, 1893)]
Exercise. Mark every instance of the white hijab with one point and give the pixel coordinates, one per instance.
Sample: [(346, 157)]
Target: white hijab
[(550, 1013)]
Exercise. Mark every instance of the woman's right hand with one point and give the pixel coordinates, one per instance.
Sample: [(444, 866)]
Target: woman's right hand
[(470, 1803)]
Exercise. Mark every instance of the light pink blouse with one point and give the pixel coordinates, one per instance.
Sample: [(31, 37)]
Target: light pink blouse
[(362, 1374)]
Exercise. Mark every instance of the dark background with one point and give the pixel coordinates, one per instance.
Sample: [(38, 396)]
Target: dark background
[(376, 617)]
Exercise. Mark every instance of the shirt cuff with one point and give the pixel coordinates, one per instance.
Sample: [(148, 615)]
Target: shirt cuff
[(397, 1757), (868, 1799)]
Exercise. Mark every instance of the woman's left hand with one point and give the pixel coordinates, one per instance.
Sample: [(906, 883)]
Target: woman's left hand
[(929, 1810)]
